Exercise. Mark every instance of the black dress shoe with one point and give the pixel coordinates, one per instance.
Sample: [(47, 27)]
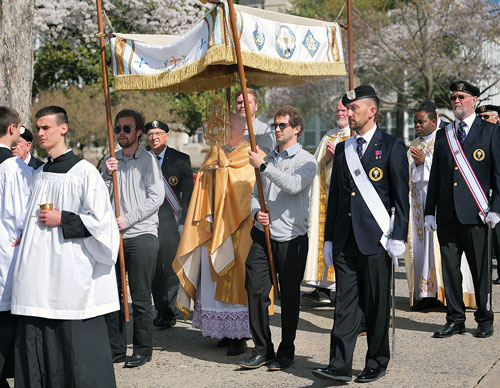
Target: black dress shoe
[(370, 374), (165, 323), (224, 342), (484, 330), (318, 296), (256, 361), (137, 360), (119, 357), (330, 373), (497, 280), (451, 328), (236, 347), (280, 363)]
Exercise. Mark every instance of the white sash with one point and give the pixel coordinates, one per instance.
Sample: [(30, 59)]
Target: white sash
[(466, 170), (367, 191)]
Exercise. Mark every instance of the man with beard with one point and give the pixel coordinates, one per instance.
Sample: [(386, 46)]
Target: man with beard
[(141, 194), (287, 174), (465, 166), (423, 260), (264, 135), (316, 273), (178, 183), (369, 177)]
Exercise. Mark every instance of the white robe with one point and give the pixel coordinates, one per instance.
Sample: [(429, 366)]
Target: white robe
[(423, 258), (313, 272), (59, 278), (15, 189)]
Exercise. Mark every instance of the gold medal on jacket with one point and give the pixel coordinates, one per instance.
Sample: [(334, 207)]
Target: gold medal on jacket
[(173, 180), (376, 174), (479, 154)]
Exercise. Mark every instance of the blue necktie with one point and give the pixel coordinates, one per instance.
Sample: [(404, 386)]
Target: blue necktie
[(461, 132), (359, 148)]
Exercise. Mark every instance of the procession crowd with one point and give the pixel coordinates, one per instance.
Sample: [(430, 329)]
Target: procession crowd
[(253, 226)]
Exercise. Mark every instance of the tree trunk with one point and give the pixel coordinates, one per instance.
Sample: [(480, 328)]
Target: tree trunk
[(400, 116), (16, 56)]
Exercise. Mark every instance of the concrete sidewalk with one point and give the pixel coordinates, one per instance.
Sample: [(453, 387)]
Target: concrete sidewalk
[(184, 358)]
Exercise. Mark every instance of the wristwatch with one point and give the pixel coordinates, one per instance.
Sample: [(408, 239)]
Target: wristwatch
[(262, 167)]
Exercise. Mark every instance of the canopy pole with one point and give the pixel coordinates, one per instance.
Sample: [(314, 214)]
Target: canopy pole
[(111, 142), (349, 45), (241, 71)]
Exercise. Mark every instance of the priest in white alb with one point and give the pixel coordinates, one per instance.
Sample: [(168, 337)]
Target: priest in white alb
[(64, 277), (423, 258), (317, 273)]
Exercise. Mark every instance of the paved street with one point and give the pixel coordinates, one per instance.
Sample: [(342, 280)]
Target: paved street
[(183, 358)]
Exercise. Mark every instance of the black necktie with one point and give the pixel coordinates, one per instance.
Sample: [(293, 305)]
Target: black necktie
[(359, 148)]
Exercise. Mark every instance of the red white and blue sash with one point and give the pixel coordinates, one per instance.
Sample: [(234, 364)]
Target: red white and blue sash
[(466, 170), (172, 200)]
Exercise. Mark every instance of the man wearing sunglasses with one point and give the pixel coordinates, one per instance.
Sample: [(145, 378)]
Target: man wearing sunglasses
[(287, 174), (465, 166), (178, 183), (141, 193)]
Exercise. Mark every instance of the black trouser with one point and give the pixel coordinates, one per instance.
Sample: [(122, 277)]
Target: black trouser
[(363, 286), (454, 239), (60, 353), (140, 259), (496, 248), (165, 282), (8, 325), (290, 260)]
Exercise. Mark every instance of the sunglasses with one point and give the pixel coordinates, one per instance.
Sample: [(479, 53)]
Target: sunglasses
[(125, 128), (460, 97), (486, 117), (281, 126)]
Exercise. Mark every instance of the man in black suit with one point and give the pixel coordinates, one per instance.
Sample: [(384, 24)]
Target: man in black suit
[(491, 113), (178, 182), (465, 166), (23, 147), (369, 177)]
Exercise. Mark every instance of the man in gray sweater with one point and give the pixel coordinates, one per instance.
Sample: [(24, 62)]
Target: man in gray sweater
[(141, 194), (287, 174)]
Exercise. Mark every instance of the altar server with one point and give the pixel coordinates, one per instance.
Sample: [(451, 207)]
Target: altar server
[(64, 277)]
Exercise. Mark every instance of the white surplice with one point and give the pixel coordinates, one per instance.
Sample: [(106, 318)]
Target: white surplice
[(423, 258), (316, 272), (15, 188), (60, 278)]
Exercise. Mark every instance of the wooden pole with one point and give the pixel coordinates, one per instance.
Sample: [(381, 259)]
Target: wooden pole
[(241, 71), (111, 142), (349, 45)]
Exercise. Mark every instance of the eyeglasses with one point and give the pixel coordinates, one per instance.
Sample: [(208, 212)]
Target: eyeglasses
[(281, 126), (125, 128), (461, 97), (155, 134)]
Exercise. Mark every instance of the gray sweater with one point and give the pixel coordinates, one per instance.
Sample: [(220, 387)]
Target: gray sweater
[(286, 182), (140, 191)]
